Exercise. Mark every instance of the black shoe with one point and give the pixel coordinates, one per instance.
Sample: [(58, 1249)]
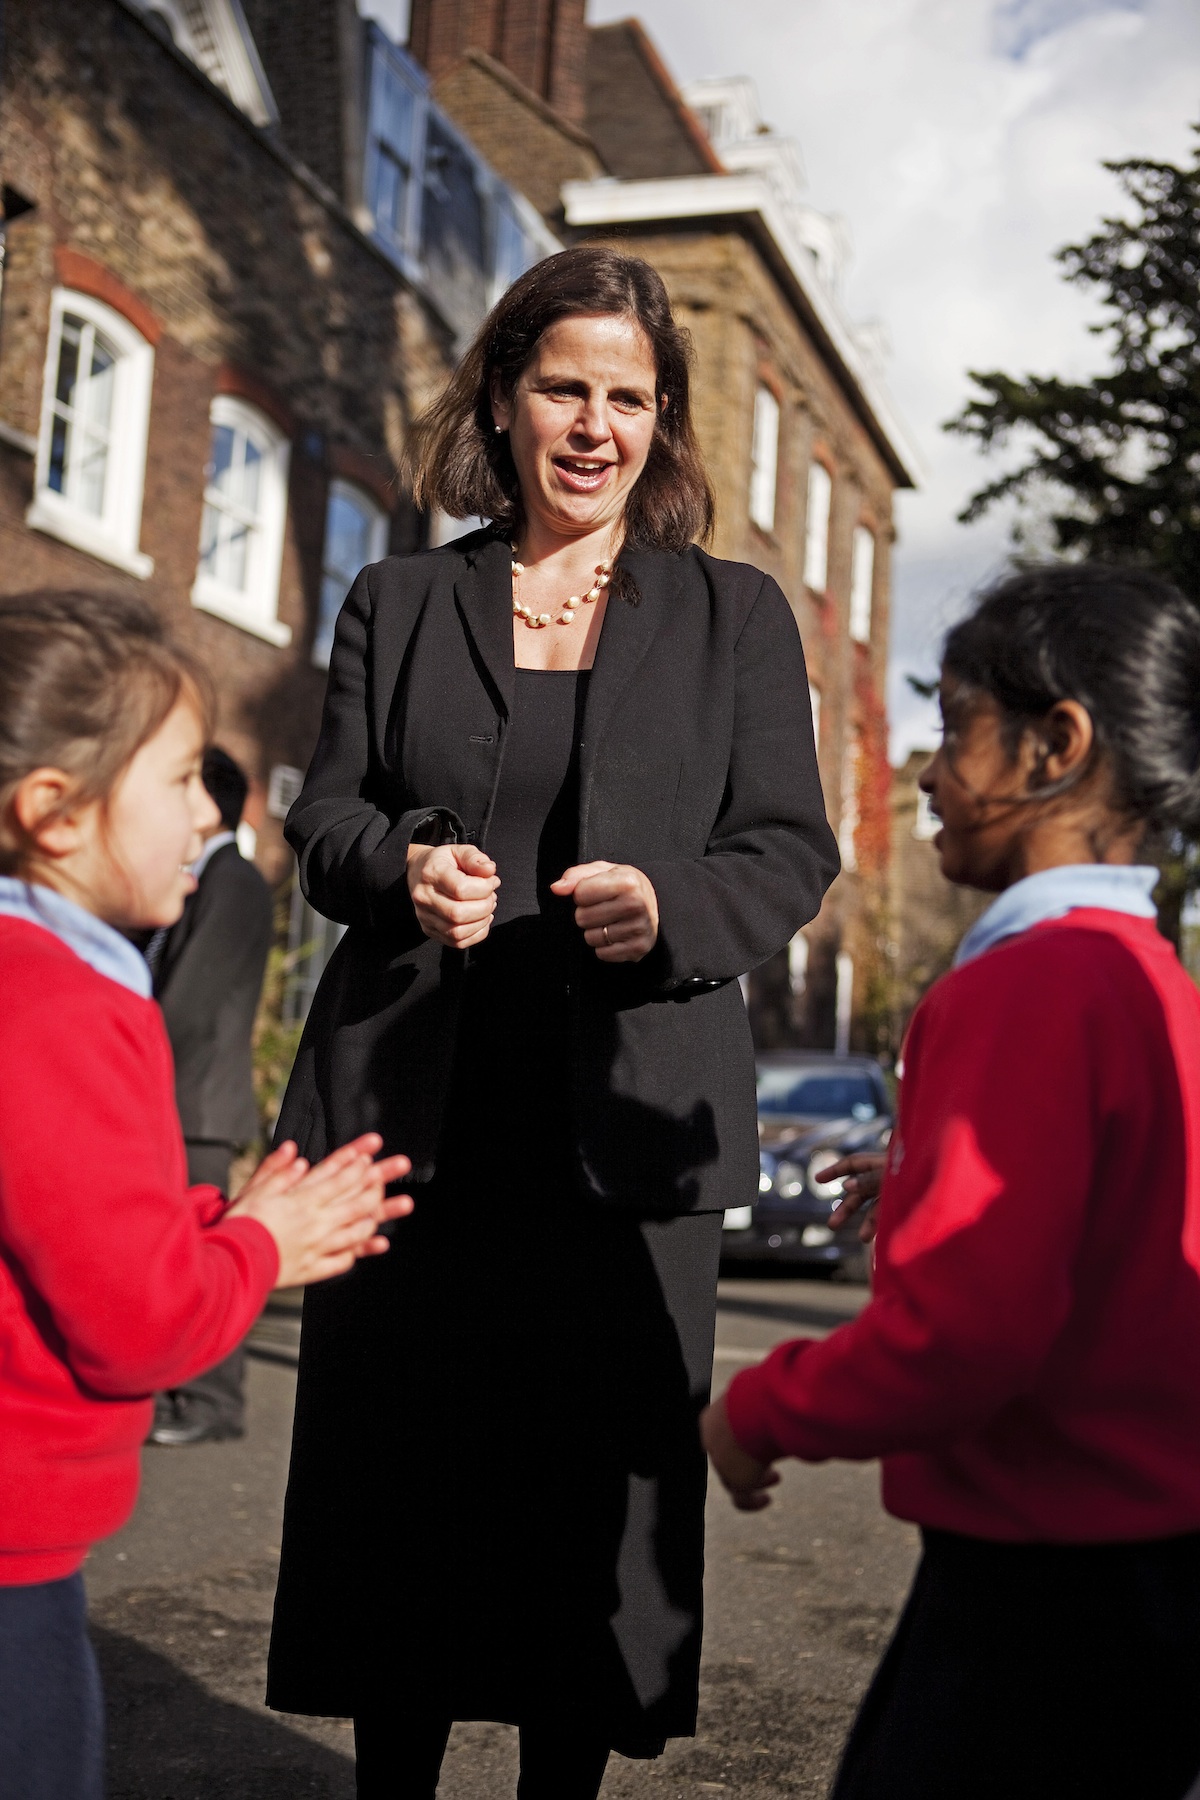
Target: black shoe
[(192, 1426)]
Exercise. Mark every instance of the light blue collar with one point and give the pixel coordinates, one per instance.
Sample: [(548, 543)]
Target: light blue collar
[(1052, 893), (81, 931)]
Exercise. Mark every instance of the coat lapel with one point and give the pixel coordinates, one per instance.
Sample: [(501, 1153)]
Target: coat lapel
[(626, 637), (483, 594)]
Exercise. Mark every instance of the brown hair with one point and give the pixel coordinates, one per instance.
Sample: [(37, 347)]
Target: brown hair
[(458, 463), (85, 681)]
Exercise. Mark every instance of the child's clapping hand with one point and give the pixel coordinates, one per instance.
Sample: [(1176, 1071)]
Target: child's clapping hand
[(324, 1217)]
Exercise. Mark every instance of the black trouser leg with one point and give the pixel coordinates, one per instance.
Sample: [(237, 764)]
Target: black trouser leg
[(558, 1764), (398, 1759)]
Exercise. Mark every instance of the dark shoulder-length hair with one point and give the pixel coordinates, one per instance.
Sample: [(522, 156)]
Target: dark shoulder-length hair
[(459, 464)]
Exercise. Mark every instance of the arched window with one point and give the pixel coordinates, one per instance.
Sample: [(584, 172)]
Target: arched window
[(355, 534), (241, 529), (91, 457)]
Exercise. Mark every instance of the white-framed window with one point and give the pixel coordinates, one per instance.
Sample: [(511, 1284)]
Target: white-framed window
[(816, 528), (814, 700), (862, 584), (848, 817), (91, 454), (241, 529), (764, 459), (356, 532)]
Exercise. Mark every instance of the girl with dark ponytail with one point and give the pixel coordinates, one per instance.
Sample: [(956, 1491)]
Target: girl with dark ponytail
[(1029, 1365)]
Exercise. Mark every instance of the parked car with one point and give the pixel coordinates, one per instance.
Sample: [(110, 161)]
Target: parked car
[(799, 1088), (788, 1221)]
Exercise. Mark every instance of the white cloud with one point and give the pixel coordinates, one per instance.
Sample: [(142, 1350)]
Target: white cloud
[(963, 142)]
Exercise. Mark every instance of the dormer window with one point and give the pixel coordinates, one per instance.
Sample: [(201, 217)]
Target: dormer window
[(91, 456)]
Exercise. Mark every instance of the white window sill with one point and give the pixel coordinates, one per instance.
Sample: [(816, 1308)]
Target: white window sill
[(47, 513), (208, 597)]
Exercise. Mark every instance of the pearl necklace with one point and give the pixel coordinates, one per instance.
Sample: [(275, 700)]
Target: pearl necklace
[(567, 617)]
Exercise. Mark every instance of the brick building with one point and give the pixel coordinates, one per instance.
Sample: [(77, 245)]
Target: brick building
[(223, 301), (245, 244), (800, 437)]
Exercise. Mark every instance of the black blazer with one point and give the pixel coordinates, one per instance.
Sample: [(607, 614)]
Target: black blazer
[(207, 981), (696, 765)]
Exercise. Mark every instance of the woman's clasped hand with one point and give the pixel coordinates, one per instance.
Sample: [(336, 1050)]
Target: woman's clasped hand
[(453, 889)]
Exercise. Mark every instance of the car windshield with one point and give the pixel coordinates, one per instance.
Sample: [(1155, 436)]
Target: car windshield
[(817, 1096)]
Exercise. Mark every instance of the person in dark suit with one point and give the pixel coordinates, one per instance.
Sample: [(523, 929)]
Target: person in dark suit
[(565, 793), (208, 974)]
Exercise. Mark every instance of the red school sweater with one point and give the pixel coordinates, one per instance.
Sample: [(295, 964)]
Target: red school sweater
[(1028, 1367), (115, 1278)]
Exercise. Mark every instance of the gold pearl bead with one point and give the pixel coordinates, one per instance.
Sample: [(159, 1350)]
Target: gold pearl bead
[(543, 618), (567, 618)]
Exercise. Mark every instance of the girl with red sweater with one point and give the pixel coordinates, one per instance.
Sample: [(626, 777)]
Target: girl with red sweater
[(1028, 1367), (115, 1279)]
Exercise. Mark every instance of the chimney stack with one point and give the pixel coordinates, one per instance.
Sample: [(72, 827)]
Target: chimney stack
[(542, 42)]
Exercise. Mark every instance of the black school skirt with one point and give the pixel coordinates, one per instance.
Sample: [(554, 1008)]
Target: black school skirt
[(1037, 1672)]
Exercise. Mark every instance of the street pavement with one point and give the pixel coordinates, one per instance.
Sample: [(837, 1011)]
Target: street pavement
[(800, 1602)]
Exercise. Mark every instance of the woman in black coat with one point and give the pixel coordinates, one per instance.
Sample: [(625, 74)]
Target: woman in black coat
[(565, 793)]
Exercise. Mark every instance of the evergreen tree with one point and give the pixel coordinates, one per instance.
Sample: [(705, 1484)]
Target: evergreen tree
[(1114, 466)]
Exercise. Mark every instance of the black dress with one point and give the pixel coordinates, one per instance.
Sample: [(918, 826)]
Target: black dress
[(533, 1367)]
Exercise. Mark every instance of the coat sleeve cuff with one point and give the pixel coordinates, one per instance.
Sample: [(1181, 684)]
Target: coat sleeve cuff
[(757, 1408)]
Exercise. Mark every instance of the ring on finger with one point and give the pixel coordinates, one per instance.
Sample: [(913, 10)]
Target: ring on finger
[(607, 939)]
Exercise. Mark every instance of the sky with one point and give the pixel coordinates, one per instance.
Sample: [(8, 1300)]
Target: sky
[(962, 142)]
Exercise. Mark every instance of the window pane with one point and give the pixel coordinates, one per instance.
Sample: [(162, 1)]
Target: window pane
[(396, 116), (89, 475), (251, 475), (453, 245), (209, 527), (347, 539), (100, 386), (333, 592), (390, 190), (764, 459), (234, 554), (60, 449), (68, 359), (860, 585), (220, 462), (823, 1096), (816, 546)]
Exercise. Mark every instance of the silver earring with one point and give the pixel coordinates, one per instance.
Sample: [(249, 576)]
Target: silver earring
[(499, 431)]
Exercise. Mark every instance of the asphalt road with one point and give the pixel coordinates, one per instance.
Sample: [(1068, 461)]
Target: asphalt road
[(800, 1602)]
